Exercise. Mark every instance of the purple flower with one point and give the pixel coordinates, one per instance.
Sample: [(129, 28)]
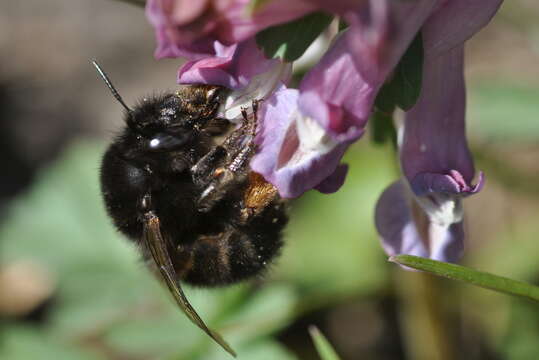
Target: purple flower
[(305, 133), (434, 144), (335, 99), (438, 168), (241, 67), (190, 28), (291, 147), (287, 131), (405, 227), (423, 215), (380, 32)]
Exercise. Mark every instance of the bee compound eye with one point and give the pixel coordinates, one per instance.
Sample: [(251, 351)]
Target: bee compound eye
[(154, 143), (166, 142)]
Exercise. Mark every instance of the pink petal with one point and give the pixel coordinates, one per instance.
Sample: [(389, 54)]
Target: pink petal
[(399, 233), (335, 94), (455, 21), (334, 181), (240, 26), (233, 66), (380, 32), (190, 28), (292, 166), (185, 11), (434, 135)]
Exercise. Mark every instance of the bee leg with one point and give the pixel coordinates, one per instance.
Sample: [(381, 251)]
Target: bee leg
[(213, 164), (253, 123), (217, 126), (203, 171), (240, 148), (240, 136), (213, 175), (157, 246), (218, 189), (245, 147)]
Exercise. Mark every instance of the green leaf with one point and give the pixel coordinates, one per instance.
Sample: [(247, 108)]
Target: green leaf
[(289, 41), (169, 335), (385, 100), (382, 127), (408, 74), (265, 311), (405, 86), (474, 277), (324, 348)]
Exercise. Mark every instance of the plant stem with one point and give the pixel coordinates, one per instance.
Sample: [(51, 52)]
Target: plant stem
[(424, 322)]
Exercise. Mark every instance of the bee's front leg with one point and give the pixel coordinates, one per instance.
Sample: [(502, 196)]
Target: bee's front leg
[(239, 148), (203, 172)]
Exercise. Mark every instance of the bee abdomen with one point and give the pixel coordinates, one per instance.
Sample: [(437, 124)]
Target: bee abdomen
[(236, 254)]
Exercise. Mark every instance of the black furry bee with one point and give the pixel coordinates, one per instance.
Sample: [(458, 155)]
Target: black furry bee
[(176, 180)]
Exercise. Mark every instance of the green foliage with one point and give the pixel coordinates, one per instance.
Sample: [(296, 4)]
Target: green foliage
[(471, 276), (24, 342), (520, 240), (289, 41), (521, 343), (404, 87), (504, 111), (401, 90), (106, 294), (324, 348), (382, 128), (332, 250)]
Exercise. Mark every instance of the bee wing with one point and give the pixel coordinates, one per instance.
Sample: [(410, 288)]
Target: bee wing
[(157, 246)]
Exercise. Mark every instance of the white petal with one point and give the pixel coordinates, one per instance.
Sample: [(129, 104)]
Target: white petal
[(259, 88)]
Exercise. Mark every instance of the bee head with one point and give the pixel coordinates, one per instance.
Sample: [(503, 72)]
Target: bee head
[(160, 124), (171, 121)]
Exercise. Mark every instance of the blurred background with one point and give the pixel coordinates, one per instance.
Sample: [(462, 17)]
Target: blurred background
[(72, 288)]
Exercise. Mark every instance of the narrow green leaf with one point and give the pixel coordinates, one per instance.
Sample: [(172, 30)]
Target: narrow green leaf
[(324, 348), (474, 277), (289, 41)]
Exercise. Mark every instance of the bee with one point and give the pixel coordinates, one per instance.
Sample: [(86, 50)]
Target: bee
[(177, 182)]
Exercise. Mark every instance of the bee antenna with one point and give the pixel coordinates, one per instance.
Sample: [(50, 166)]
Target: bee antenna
[(110, 86)]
